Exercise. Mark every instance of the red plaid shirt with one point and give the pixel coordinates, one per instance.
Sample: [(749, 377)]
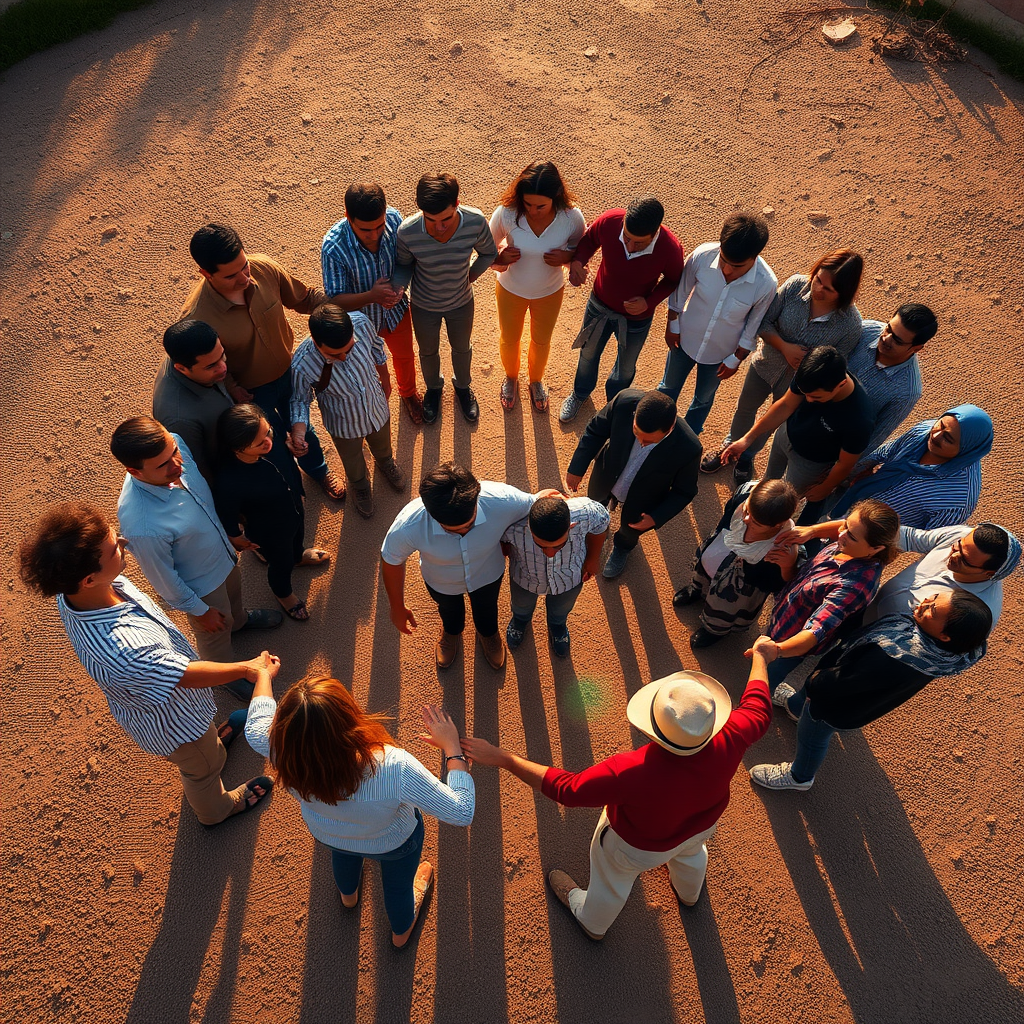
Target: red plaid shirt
[(822, 595)]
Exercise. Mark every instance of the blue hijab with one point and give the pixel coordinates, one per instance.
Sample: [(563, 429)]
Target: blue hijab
[(907, 451)]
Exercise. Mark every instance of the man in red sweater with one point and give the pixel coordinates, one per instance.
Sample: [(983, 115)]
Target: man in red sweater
[(661, 802), (641, 264)]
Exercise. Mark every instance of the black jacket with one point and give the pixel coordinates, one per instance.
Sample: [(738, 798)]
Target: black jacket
[(666, 482)]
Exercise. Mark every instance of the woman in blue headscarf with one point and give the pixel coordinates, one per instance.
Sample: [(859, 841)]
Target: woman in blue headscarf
[(931, 475)]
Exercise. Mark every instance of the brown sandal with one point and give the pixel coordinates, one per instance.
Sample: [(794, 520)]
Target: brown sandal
[(539, 395), (333, 486)]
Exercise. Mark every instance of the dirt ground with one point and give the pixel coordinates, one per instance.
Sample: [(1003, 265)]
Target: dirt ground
[(888, 893)]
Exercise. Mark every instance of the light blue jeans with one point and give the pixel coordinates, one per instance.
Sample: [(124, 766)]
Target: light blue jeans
[(624, 369), (677, 368)]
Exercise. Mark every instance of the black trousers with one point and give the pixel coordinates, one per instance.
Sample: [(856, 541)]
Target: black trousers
[(483, 603), (282, 550)]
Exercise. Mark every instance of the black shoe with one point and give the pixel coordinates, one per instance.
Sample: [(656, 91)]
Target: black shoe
[(702, 638), (468, 404), (742, 473), (560, 642), (685, 596), (431, 404)]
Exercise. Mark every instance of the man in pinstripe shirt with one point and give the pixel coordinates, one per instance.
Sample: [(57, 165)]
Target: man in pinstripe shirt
[(157, 688), (552, 551)]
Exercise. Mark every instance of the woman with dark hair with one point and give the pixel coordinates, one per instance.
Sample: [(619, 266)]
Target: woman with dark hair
[(830, 588), (931, 474), (540, 226), (361, 794), (258, 484), (809, 310), (873, 672)]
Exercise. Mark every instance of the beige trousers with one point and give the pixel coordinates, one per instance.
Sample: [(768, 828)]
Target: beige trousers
[(614, 865), (200, 763), (351, 451), (227, 599)]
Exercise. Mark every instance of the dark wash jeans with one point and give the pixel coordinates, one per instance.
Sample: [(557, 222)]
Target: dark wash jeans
[(275, 401)]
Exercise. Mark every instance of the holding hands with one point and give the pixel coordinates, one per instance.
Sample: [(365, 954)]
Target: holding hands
[(577, 273), (295, 440), (383, 294), (766, 647), (509, 255), (558, 257)]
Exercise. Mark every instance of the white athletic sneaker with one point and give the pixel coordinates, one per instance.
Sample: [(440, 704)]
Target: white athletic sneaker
[(778, 776), (780, 698)]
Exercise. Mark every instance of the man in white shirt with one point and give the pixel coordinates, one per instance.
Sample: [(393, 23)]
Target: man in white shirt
[(456, 525), (714, 313), (553, 551)]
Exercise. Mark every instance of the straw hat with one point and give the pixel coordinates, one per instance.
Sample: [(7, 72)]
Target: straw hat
[(680, 712)]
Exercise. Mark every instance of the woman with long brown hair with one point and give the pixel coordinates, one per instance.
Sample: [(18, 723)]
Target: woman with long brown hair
[(359, 792), (540, 225)]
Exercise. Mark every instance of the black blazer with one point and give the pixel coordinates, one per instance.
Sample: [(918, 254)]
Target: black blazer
[(666, 482)]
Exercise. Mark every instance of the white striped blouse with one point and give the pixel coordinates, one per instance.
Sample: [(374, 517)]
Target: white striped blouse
[(353, 403), (137, 657), (380, 815)]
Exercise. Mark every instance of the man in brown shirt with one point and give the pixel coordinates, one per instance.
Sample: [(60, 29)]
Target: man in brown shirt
[(244, 301)]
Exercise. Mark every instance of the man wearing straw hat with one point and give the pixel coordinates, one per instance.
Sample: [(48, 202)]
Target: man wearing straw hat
[(662, 801)]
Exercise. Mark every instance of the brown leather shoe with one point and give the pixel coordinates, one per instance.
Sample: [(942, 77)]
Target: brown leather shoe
[(494, 649), (414, 407), (561, 885), (393, 474), (447, 650), (421, 885)]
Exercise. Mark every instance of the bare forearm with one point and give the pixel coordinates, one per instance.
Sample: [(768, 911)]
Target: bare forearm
[(352, 300), (774, 417), (529, 771), (203, 674), (394, 583), (799, 645)]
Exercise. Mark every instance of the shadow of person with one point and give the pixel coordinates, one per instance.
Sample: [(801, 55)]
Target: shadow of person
[(883, 921), (205, 863)]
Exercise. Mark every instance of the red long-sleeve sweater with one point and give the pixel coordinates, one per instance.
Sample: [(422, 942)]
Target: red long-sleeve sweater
[(656, 799), (618, 279)]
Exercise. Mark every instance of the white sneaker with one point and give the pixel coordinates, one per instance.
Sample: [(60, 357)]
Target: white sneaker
[(570, 407), (778, 776), (781, 697)]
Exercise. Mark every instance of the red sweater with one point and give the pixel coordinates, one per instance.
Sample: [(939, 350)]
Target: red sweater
[(656, 799), (654, 277)]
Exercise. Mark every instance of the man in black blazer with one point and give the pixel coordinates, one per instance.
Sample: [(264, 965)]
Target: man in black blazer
[(645, 458)]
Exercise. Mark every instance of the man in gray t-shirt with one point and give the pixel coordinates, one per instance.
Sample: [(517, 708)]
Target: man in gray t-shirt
[(434, 251)]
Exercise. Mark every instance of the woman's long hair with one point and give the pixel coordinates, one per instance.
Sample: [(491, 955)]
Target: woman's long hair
[(881, 528), (846, 268), (322, 744), (541, 178)]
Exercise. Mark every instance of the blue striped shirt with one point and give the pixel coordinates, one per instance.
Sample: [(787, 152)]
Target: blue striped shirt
[(893, 390), (137, 657), (928, 502), (350, 268), (381, 814), (353, 403)]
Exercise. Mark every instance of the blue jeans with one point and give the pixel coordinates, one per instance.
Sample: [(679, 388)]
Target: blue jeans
[(677, 368), (397, 870), (556, 606), (275, 401), (624, 369), (812, 739), (777, 672)]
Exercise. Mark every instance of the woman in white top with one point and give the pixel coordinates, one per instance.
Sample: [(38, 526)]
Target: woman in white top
[(540, 226), (359, 793)]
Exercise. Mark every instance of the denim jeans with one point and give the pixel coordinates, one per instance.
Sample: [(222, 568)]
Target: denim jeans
[(677, 368), (812, 740), (275, 401), (624, 369), (778, 670), (556, 606), (397, 870)]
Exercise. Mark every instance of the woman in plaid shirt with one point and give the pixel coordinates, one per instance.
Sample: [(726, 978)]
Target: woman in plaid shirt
[(830, 588)]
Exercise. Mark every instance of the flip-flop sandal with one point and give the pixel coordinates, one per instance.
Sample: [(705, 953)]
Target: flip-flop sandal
[(298, 611), (231, 729), (333, 486), (507, 394), (265, 783), (539, 396), (320, 557)]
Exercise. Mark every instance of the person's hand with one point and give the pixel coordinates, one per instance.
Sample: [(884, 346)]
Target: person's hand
[(295, 440), (441, 730), (783, 555), (725, 372), (382, 293), (766, 647), (509, 255), (645, 522), (819, 492), (481, 751), (550, 492), (577, 273), (671, 339), (239, 394), (211, 621), (635, 306), (263, 662), (793, 354), (798, 535), (591, 565), (572, 481), (558, 257), (404, 620), (242, 543), (734, 451)]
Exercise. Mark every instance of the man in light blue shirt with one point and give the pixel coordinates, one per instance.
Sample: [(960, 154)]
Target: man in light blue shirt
[(167, 515), (456, 525)]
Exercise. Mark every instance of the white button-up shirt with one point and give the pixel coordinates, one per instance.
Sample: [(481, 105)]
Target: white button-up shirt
[(637, 457), (717, 317), (453, 563), (537, 573), (642, 252)]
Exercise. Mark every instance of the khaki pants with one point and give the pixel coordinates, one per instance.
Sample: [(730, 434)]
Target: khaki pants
[(351, 451), (200, 763), (227, 599), (614, 865)]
